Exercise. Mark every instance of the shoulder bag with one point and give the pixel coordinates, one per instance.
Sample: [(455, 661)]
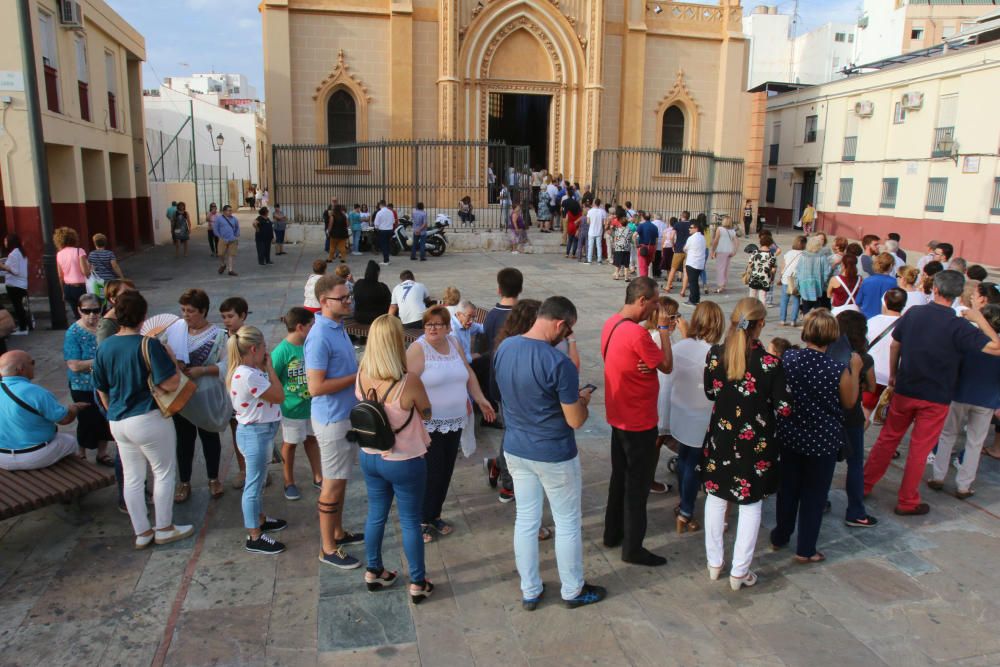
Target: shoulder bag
[(604, 354), (169, 402), (792, 283), (14, 397)]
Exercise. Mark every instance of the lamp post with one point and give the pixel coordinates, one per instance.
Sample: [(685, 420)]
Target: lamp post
[(217, 147), (247, 149)]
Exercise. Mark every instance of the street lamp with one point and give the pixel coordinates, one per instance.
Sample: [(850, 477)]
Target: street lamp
[(247, 149), (217, 147)]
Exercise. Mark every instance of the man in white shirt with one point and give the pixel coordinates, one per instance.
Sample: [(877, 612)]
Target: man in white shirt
[(385, 221), (409, 300), (595, 219), (880, 339), (694, 262), (661, 228)]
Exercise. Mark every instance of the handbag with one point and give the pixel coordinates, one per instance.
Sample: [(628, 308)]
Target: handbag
[(792, 284), (209, 408), (169, 402), (95, 286), (881, 410)]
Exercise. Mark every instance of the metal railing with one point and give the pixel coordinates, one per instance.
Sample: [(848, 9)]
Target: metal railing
[(437, 173), (850, 148), (944, 142), (697, 182)]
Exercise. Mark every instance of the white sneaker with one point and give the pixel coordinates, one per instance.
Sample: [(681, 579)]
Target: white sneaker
[(143, 541), (356, 254), (930, 458), (514, 252), (20, 332), (385, 263), (174, 534)]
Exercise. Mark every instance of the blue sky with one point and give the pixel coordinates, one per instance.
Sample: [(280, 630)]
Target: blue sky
[(187, 36)]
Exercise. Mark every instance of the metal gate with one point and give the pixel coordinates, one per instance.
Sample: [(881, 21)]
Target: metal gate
[(437, 173), (668, 182)]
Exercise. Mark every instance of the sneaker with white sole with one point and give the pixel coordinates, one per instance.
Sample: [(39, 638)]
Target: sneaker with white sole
[(174, 534), (292, 492), (340, 559), (265, 544), (144, 541), (272, 525)]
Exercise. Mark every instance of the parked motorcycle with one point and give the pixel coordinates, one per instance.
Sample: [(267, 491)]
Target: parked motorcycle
[(436, 242)]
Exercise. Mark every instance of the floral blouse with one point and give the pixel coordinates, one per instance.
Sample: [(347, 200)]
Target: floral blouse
[(621, 238), (79, 345), (740, 456)]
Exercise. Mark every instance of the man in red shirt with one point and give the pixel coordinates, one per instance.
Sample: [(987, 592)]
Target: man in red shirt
[(631, 360)]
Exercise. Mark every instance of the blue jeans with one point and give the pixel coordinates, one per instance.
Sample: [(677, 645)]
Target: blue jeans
[(789, 300), (593, 242), (855, 482), (688, 479), (405, 480), (384, 237), (355, 240), (571, 246), (561, 483), (419, 243), (256, 443)]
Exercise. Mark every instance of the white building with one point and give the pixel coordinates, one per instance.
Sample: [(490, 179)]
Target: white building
[(812, 58), (224, 90)]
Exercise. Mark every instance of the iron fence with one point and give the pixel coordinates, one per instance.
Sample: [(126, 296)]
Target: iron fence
[(668, 182), (437, 173)]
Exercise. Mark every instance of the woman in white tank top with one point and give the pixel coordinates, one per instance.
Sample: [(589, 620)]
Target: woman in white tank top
[(436, 358)]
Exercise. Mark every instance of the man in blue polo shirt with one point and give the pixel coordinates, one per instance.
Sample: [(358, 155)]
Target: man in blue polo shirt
[(927, 348), (227, 230), (331, 369), (30, 414), (542, 405)]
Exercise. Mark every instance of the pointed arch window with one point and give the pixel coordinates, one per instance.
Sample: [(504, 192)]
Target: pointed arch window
[(342, 127), (672, 140)]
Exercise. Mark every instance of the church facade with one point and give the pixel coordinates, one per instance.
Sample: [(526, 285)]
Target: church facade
[(564, 77)]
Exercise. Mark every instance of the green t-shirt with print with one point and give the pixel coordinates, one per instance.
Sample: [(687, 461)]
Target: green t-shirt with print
[(289, 363)]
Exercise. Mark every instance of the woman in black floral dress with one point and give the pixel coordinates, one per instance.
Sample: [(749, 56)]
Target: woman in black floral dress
[(739, 460)]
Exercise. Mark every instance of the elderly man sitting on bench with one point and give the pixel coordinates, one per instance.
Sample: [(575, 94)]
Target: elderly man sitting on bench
[(30, 415)]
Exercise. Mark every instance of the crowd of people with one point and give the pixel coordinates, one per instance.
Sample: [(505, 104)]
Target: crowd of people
[(881, 341)]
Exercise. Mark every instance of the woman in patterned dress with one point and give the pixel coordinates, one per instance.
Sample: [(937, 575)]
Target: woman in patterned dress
[(739, 459)]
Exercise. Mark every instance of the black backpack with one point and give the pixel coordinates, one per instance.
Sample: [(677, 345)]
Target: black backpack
[(370, 425)]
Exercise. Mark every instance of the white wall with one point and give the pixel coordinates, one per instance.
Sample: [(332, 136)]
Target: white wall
[(169, 111), (809, 58), (883, 38), (770, 49), (818, 57)]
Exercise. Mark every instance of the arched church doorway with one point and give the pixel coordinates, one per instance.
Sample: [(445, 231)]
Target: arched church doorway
[(522, 119)]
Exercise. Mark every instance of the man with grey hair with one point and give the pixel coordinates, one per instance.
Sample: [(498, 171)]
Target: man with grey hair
[(892, 247), (927, 347), (464, 326), (928, 256), (30, 414), (958, 264)]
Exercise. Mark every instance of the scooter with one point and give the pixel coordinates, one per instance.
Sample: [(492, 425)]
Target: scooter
[(400, 239), (436, 242)]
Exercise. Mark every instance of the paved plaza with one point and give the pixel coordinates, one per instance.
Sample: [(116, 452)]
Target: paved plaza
[(912, 591)]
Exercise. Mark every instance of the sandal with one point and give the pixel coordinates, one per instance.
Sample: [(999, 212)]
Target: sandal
[(544, 533), (990, 454), (428, 532), (426, 588), (962, 495), (442, 527), (183, 492), (817, 557), (376, 581), (106, 461)]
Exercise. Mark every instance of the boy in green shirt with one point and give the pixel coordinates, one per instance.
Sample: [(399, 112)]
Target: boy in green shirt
[(288, 359)]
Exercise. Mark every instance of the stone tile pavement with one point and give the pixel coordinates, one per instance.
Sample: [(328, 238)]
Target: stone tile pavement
[(913, 591)]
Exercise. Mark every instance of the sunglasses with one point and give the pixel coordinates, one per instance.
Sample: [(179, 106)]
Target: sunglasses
[(90, 311)]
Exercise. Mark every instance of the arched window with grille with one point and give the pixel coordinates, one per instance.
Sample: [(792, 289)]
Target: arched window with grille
[(342, 127), (672, 140)]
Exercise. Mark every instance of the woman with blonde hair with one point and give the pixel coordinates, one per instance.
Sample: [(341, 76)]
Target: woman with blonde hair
[(723, 247), (906, 279), (740, 454), (256, 394), (690, 410), (812, 435), (451, 298), (71, 261), (402, 470)]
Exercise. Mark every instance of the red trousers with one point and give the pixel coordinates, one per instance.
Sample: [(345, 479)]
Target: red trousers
[(646, 262), (927, 419)]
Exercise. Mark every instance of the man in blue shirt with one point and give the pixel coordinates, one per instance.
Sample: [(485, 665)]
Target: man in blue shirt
[(29, 414), (542, 405), (646, 234), (464, 326), (419, 232), (331, 369), (227, 230)]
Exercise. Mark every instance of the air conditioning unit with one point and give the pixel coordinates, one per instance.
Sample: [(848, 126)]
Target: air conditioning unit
[(913, 101), (864, 108), (71, 13)]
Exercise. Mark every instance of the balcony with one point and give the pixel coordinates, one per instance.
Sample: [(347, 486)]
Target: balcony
[(772, 157), (944, 142), (850, 148)]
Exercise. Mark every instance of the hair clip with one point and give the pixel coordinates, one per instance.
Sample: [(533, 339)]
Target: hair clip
[(743, 324)]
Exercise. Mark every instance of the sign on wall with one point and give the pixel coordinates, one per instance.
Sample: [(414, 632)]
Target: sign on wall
[(11, 82)]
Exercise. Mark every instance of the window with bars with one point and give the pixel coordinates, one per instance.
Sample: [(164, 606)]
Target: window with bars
[(937, 190), (845, 192), (812, 126), (772, 185), (995, 205), (890, 188)]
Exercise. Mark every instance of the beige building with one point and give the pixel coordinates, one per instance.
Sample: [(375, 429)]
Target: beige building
[(89, 69), (564, 77), (912, 148)]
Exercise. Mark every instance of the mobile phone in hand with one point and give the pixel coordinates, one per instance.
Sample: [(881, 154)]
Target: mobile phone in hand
[(589, 387)]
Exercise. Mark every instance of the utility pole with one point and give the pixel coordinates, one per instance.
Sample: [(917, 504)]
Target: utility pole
[(41, 167)]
